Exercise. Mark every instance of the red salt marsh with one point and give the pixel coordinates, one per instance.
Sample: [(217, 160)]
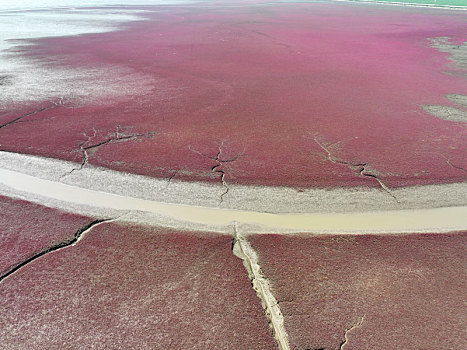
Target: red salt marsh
[(27, 229), (368, 292), (129, 287), (275, 87)]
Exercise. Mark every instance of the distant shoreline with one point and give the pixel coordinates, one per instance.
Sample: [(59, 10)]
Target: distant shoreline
[(410, 4)]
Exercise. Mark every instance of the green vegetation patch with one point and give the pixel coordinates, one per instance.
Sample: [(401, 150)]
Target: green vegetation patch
[(428, 2)]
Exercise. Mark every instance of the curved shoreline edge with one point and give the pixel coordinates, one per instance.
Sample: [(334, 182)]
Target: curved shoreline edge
[(99, 192)]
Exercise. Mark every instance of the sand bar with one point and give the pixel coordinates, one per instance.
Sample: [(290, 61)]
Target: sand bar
[(105, 202)]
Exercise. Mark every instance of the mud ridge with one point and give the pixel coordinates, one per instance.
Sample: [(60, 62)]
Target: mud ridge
[(60, 102), (69, 242), (215, 168), (348, 330), (242, 249), (362, 167), (115, 137)]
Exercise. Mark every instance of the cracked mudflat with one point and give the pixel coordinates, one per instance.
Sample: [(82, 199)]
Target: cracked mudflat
[(137, 287), (368, 292), (236, 175), (28, 230)]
